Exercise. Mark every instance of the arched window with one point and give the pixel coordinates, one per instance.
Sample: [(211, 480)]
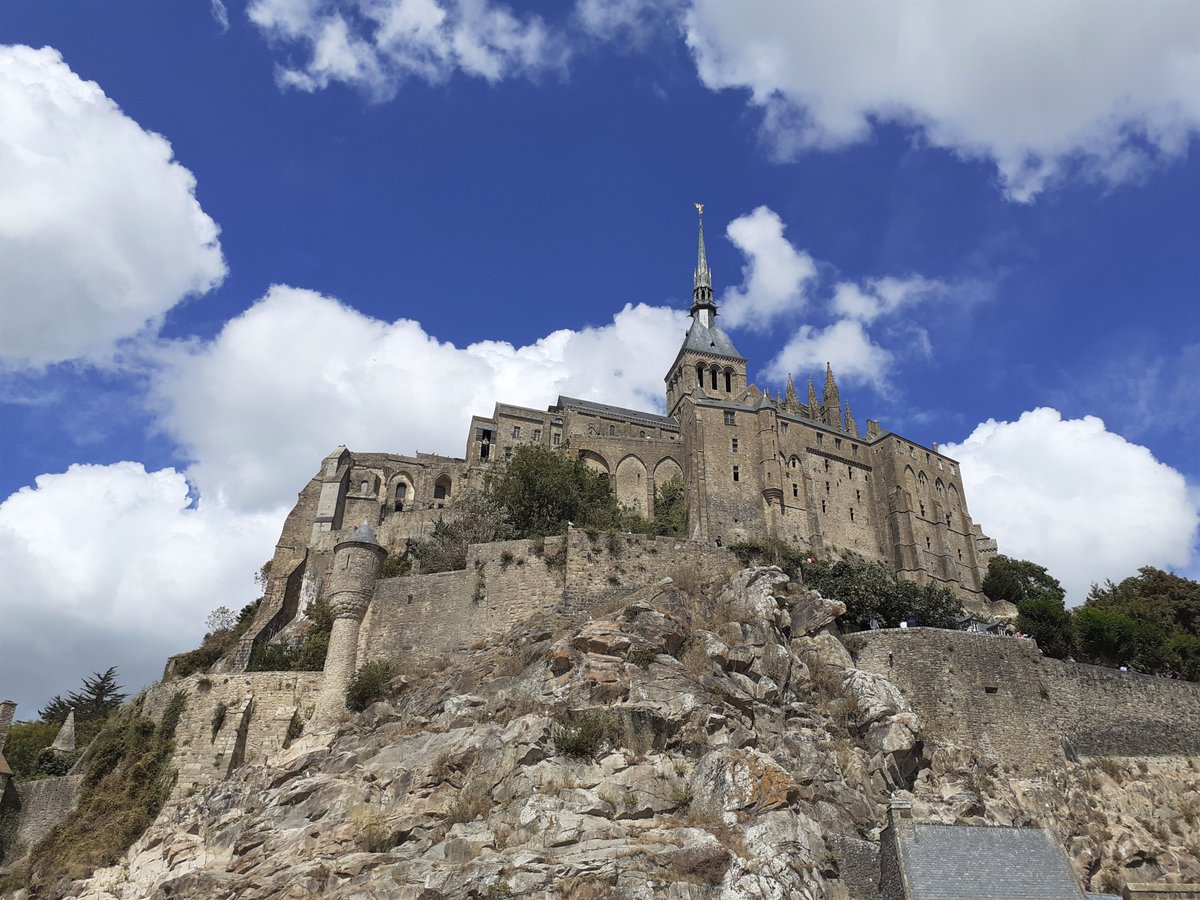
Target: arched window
[(713, 373), (700, 375), (612, 430), (362, 488), (728, 381), (641, 434), (401, 496), (441, 488)]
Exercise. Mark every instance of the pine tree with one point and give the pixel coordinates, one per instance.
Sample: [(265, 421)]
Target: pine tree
[(101, 694), (55, 710)]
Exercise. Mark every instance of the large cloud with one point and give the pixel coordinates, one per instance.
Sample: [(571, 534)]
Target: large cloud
[(775, 278), (114, 565), (845, 345), (376, 44), (1039, 88), (298, 373), (100, 232), (1073, 496)]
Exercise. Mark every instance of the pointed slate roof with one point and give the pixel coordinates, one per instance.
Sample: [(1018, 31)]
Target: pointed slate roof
[(709, 339), (65, 741)]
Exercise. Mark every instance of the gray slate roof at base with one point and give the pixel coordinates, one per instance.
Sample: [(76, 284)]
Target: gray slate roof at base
[(709, 340), (969, 862)]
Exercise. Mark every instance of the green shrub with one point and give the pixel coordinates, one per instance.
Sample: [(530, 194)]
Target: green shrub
[(307, 654), (369, 684), (583, 734)]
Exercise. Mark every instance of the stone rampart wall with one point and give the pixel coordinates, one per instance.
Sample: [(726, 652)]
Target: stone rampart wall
[(424, 616), (257, 709), (601, 565), (44, 803), (1000, 695)]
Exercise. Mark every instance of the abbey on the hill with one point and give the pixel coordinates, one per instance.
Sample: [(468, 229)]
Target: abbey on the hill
[(754, 467)]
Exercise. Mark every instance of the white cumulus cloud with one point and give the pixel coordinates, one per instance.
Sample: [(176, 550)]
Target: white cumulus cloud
[(260, 405), (100, 230), (775, 277), (878, 297), (1105, 87), (845, 344), (377, 44), (114, 565), (1077, 498)]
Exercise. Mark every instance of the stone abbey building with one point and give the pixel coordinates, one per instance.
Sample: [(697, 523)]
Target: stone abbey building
[(754, 467)]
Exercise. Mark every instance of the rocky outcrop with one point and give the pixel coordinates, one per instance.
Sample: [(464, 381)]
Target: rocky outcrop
[(712, 744)]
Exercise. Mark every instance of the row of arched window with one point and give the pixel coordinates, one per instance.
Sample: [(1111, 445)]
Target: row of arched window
[(403, 496)]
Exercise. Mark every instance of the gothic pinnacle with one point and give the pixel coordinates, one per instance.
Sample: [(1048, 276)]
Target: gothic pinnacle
[(814, 409), (791, 401)]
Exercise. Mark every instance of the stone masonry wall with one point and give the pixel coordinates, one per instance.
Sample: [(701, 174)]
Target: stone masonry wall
[(604, 565), (44, 802), (1000, 695), (424, 616), (258, 708)]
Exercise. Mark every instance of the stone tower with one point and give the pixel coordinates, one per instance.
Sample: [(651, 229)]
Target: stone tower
[(707, 363), (356, 563)]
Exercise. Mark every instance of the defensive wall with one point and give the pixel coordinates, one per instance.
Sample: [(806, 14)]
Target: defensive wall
[(504, 583), (44, 802), (232, 719), (999, 695)]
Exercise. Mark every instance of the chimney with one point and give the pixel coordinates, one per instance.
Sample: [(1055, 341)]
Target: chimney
[(900, 817), (8, 708)]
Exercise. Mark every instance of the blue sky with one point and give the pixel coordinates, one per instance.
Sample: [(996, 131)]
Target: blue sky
[(235, 235)]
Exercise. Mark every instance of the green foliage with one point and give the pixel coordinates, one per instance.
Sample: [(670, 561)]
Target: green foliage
[(220, 711), (395, 565), (26, 741), (584, 734), (294, 730), (127, 778), (476, 519), (543, 489), (305, 655), (51, 763), (369, 684), (101, 694), (772, 552), (870, 591), (1018, 580), (1049, 623), (671, 509), (216, 644), (1150, 622)]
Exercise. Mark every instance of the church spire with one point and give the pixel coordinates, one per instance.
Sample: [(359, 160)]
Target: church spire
[(702, 292), (833, 400)]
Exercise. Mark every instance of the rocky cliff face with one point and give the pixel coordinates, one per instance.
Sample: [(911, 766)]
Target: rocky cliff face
[(683, 744)]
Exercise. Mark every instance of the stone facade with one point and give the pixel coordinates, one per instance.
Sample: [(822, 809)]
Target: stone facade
[(1000, 696), (44, 802)]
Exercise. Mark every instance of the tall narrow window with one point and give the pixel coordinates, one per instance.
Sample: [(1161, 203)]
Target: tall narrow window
[(795, 489), (537, 434), (401, 496), (827, 487), (820, 439), (736, 474), (556, 439), (362, 488), (714, 377), (516, 432), (612, 430), (728, 381), (735, 445), (928, 544), (822, 506), (922, 502), (852, 514), (857, 495), (837, 443)]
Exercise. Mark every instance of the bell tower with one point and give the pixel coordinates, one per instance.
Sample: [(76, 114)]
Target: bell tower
[(707, 364)]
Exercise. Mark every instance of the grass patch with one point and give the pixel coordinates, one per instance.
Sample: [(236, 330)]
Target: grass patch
[(127, 779), (583, 735)]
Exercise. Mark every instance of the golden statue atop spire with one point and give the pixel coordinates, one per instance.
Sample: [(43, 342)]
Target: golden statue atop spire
[(699, 208)]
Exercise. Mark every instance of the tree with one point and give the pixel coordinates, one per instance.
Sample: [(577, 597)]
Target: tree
[(221, 619), (55, 710), (671, 509), (870, 591), (101, 694), (1049, 623), (1018, 580), (475, 519), (544, 489)]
